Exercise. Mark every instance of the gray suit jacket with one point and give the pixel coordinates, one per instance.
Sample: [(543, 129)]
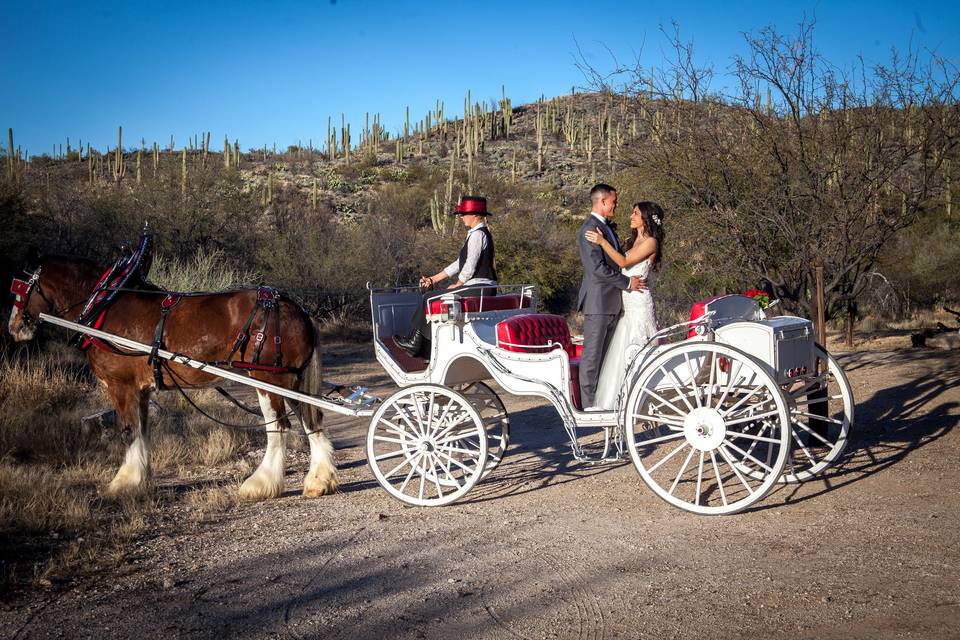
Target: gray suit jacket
[(602, 280)]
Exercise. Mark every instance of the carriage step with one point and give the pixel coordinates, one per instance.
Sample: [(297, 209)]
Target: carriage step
[(357, 397)]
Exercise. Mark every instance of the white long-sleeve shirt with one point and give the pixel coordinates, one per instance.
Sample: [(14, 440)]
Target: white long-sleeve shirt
[(476, 243)]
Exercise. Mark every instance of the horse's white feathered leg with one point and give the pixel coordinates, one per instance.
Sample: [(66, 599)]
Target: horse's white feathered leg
[(322, 477), (133, 415), (267, 480)]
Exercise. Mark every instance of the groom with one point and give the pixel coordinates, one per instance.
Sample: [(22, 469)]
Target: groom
[(600, 299)]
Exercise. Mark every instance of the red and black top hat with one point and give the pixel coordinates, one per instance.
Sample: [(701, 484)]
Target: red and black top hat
[(473, 205)]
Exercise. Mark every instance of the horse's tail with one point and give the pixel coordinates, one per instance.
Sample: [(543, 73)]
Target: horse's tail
[(311, 381)]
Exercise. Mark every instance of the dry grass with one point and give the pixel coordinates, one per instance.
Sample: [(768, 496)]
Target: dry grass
[(54, 521), (207, 271)]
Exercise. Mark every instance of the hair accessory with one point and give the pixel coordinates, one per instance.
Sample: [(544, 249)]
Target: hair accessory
[(656, 219)]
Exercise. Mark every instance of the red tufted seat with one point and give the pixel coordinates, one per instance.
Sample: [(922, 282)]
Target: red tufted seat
[(473, 304), (541, 333)]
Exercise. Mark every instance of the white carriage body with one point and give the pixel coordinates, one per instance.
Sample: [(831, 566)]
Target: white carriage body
[(465, 347), (783, 344)]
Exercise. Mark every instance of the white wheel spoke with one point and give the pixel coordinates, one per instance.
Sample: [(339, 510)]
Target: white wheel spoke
[(674, 381), (699, 478), (408, 460), (413, 468), (683, 468), (752, 418), (747, 455), (667, 457), (680, 413), (713, 369), (403, 413), (816, 417), (466, 452), (465, 468), (750, 436), (457, 436), (732, 465), (395, 440), (742, 400), (802, 446), (671, 436), (693, 380), (423, 480), (392, 454), (812, 432), (434, 477), (731, 377), (716, 471), (673, 422), (397, 430)]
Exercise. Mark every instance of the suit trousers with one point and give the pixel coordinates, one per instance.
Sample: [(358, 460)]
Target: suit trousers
[(597, 331), (419, 320)]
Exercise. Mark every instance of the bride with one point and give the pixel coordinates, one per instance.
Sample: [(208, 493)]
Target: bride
[(639, 321)]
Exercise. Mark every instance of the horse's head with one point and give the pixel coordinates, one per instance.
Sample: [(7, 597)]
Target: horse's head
[(50, 284)]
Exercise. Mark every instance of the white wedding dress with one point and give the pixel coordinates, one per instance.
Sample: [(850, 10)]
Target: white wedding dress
[(637, 323)]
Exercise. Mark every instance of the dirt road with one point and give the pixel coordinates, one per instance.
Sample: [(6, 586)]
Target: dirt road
[(548, 548)]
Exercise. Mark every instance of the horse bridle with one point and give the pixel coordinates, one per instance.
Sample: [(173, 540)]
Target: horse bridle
[(23, 289)]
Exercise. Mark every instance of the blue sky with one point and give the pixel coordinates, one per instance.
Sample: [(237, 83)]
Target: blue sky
[(266, 72)]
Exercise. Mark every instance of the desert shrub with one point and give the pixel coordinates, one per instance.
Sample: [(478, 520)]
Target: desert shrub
[(208, 270)]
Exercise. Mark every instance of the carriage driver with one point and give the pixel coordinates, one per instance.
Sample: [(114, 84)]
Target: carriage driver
[(475, 268)]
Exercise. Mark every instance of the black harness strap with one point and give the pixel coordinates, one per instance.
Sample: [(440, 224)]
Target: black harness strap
[(169, 302)]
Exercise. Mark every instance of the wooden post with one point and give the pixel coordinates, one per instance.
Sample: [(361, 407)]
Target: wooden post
[(821, 312)]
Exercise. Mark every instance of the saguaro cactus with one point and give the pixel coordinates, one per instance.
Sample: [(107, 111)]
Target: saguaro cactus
[(183, 173), (11, 159), (119, 168)]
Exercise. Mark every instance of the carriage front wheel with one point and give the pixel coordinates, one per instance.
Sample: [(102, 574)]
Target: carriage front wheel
[(707, 428), (426, 445)]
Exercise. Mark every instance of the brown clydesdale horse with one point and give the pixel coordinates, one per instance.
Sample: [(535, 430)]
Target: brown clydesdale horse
[(203, 327)]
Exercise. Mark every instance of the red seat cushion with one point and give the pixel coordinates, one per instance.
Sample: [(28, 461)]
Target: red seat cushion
[(473, 304), (540, 333), (696, 312)]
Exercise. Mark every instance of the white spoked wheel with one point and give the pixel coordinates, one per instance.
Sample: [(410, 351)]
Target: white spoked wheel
[(707, 428), (496, 421), (426, 445), (821, 413)]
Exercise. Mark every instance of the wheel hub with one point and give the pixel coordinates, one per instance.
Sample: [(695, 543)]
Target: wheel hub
[(426, 446), (704, 428)]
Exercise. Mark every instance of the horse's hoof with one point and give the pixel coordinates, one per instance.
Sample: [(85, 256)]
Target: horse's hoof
[(126, 484), (315, 487), (257, 487)]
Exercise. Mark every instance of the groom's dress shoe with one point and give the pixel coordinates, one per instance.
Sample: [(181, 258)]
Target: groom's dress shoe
[(411, 344)]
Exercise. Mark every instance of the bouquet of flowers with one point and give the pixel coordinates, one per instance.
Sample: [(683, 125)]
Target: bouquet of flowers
[(762, 297)]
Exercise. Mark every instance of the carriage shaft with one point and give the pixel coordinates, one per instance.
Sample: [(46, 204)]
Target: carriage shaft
[(181, 359)]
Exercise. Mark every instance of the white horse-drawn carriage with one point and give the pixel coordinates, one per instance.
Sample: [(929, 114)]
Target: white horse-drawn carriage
[(711, 423)]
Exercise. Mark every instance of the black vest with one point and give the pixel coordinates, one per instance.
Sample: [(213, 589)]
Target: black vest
[(485, 262)]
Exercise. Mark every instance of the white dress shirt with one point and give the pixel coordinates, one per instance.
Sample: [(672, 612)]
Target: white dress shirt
[(476, 243)]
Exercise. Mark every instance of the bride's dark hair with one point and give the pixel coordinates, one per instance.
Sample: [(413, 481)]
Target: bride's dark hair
[(652, 215)]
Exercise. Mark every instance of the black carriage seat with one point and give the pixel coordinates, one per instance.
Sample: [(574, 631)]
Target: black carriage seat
[(542, 333)]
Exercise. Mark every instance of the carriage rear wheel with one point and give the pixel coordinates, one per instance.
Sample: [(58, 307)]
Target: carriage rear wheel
[(496, 421), (707, 428), (821, 411), (426, 445)]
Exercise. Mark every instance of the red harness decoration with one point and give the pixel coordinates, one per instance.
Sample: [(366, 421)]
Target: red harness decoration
[(21, 291)]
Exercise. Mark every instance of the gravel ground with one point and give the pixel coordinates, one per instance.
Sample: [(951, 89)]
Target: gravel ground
[(549, 548)]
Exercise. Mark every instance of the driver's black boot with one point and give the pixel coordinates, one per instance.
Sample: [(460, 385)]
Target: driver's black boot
[(412, 344)]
